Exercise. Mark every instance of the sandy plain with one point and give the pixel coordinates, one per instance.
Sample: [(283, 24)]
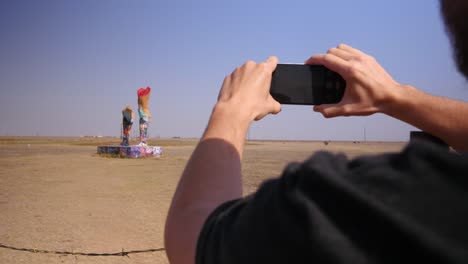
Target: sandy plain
[(59, 199)]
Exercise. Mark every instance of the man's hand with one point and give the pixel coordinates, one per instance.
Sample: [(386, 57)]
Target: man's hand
[(213, 173), (246, 91), (369, 88)]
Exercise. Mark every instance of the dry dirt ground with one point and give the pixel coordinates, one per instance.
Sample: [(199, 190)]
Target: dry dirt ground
[(58, 195)]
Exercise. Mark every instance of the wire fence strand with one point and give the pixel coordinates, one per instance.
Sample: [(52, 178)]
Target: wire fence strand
[(90, 254)]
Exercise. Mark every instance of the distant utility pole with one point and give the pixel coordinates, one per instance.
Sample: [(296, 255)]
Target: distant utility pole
[(365, 136)]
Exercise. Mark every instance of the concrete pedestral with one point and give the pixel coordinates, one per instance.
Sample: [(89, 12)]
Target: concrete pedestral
[(132, 151)]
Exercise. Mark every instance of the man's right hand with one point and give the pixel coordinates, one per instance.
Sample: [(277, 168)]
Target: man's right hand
[(369, 88)]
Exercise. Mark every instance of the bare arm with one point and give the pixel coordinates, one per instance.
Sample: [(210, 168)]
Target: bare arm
[(370, 89), (213, 173), (442, 117)]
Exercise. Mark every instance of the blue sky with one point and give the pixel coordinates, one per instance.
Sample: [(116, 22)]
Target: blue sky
[(67, 68)]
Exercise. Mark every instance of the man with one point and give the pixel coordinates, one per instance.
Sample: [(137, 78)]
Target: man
[(394, 208)]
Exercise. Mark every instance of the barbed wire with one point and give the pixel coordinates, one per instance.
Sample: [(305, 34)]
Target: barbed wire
[(90, 254)]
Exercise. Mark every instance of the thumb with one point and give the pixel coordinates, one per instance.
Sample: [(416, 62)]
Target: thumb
[(273, 107), (276, 107), (329, 110)]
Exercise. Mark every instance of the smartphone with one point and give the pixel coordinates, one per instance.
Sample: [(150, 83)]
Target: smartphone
[(301, 84)]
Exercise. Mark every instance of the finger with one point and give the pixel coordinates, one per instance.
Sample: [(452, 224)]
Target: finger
[(250, 64), (350, 49), (271, 63), (340, 53), (330, 61), (312, 59)]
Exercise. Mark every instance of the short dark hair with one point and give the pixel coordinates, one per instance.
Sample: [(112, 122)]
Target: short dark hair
[(455, 14)]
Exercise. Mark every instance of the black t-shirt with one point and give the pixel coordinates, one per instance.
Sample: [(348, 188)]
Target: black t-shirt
[(410, 207)]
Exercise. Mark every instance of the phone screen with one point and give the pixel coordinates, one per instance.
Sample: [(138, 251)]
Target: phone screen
[(306, 84)]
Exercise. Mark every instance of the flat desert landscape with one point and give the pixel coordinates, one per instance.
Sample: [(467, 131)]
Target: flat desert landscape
[(62, 203)]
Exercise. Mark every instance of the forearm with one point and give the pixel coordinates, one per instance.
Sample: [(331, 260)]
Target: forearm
[(211, 177), (213, 173), (439, 116)]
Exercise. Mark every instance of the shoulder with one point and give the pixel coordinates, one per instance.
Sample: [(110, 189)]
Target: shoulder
[(334, 209)]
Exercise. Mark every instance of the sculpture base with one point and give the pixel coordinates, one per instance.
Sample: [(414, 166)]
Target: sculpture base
[(132, 151)]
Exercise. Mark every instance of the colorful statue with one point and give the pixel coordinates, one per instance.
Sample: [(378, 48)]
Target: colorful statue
[(144, 112), (127, 121), (134, 151)]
